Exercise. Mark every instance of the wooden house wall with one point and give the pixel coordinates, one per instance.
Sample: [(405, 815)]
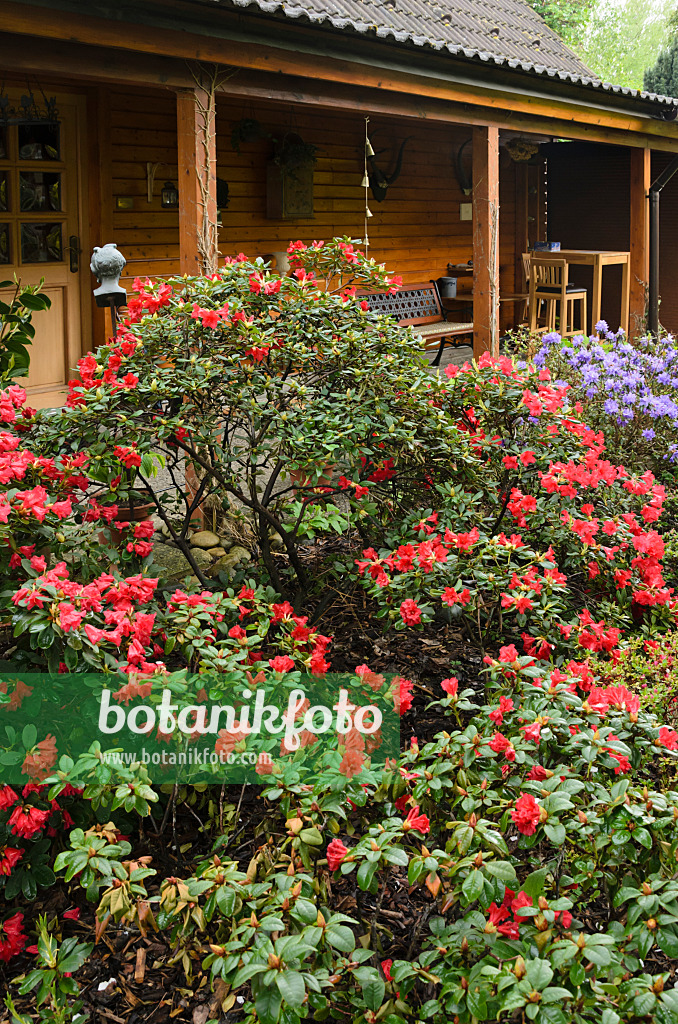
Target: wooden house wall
[(668, 245), (415, 231), (588, 208), (143, 129)]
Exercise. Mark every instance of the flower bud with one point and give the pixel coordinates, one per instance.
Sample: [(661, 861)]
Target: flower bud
[(519, 968)]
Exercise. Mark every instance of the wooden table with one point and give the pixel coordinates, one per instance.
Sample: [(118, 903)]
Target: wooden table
[(598, 258)]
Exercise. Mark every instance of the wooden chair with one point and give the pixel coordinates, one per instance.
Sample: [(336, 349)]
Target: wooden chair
[(549, 287), (523, 296)]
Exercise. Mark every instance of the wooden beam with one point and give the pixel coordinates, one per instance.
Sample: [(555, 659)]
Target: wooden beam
[(197, 180), (639, 240), (521, 225), (43, 59), (485, 241)]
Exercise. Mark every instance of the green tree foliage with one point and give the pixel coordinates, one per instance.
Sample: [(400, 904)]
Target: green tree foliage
[(566, 17), (623, 37), (662, 76)]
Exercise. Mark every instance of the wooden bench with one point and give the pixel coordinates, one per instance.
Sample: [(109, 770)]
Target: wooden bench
[(418, 306)]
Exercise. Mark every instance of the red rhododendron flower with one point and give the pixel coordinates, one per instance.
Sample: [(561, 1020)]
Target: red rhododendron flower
[(450, 686), (410, 612), (7, 798), (72, 915), (12, 938), (402, 694), (39, 761), (526, 814), (9, 856), (418, 822), (667, 737), (336, 852), (281, 663), (26, 820)]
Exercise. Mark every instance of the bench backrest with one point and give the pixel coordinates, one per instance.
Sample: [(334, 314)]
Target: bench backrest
[(416, 304)]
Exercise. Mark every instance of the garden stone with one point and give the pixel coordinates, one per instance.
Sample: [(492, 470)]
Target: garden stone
[(277, 543), (240, 554), (226, 542), (225, 564), (175, 563), (205, 539), (216, 552), (202, 558)]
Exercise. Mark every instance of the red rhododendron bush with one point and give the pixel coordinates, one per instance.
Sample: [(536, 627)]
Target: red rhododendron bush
[(518, 861)]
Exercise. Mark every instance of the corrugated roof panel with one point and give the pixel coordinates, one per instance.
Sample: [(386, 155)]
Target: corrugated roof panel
[(506, 33)]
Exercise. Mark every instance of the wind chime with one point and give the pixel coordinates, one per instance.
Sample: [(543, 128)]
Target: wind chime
[(369, 152)]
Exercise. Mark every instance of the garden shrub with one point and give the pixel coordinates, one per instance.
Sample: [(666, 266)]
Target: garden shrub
[(539, 535), (16, 330), (531, 844), (627, 390), (250, 376)]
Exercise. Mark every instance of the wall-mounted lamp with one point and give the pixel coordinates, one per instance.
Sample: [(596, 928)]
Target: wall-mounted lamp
[(169, 197)]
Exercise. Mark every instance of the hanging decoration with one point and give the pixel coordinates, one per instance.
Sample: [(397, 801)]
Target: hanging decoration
[(29, 110), (369, 152)]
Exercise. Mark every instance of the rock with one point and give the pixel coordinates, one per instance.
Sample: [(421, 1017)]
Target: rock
[(216, 552), (204, 539), (240, 554), (226, 542), (175, 564), (277, 543), (202, 558), (225, 564)]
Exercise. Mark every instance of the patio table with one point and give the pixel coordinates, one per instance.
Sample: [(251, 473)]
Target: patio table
[(599, 258)]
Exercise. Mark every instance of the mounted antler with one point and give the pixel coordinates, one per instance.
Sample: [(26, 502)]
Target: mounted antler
[(379, 181)]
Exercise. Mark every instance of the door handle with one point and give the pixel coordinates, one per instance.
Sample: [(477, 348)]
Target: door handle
[(74, 251)]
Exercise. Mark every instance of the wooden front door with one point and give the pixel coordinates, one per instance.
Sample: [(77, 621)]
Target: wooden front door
[(41, 237)]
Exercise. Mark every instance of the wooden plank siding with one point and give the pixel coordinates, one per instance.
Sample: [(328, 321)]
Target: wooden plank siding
[(589, 207), (415, 231)]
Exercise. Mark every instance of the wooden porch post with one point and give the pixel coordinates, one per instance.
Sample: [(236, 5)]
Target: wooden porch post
[(197, 182), (639, 243), (485, 240)]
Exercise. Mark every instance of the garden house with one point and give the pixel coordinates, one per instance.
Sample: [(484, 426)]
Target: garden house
[(451, 135)]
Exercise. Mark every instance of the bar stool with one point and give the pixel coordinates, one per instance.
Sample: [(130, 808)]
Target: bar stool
[(549, 285)]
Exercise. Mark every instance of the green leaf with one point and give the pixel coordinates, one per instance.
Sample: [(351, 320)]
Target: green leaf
[(35, 302), (472, 886), (556, 833), (29, 736), (501, 869), (268, 1003), (341, 937), (374, 990), (226, 901), (538, 973), (534, 883), (292, 988)]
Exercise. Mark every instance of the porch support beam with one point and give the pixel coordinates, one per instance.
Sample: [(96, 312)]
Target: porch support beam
[(639, 240), (197, 181), (485, 240)]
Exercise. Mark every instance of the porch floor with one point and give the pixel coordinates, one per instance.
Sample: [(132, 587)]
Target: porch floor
[(450, 357)]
